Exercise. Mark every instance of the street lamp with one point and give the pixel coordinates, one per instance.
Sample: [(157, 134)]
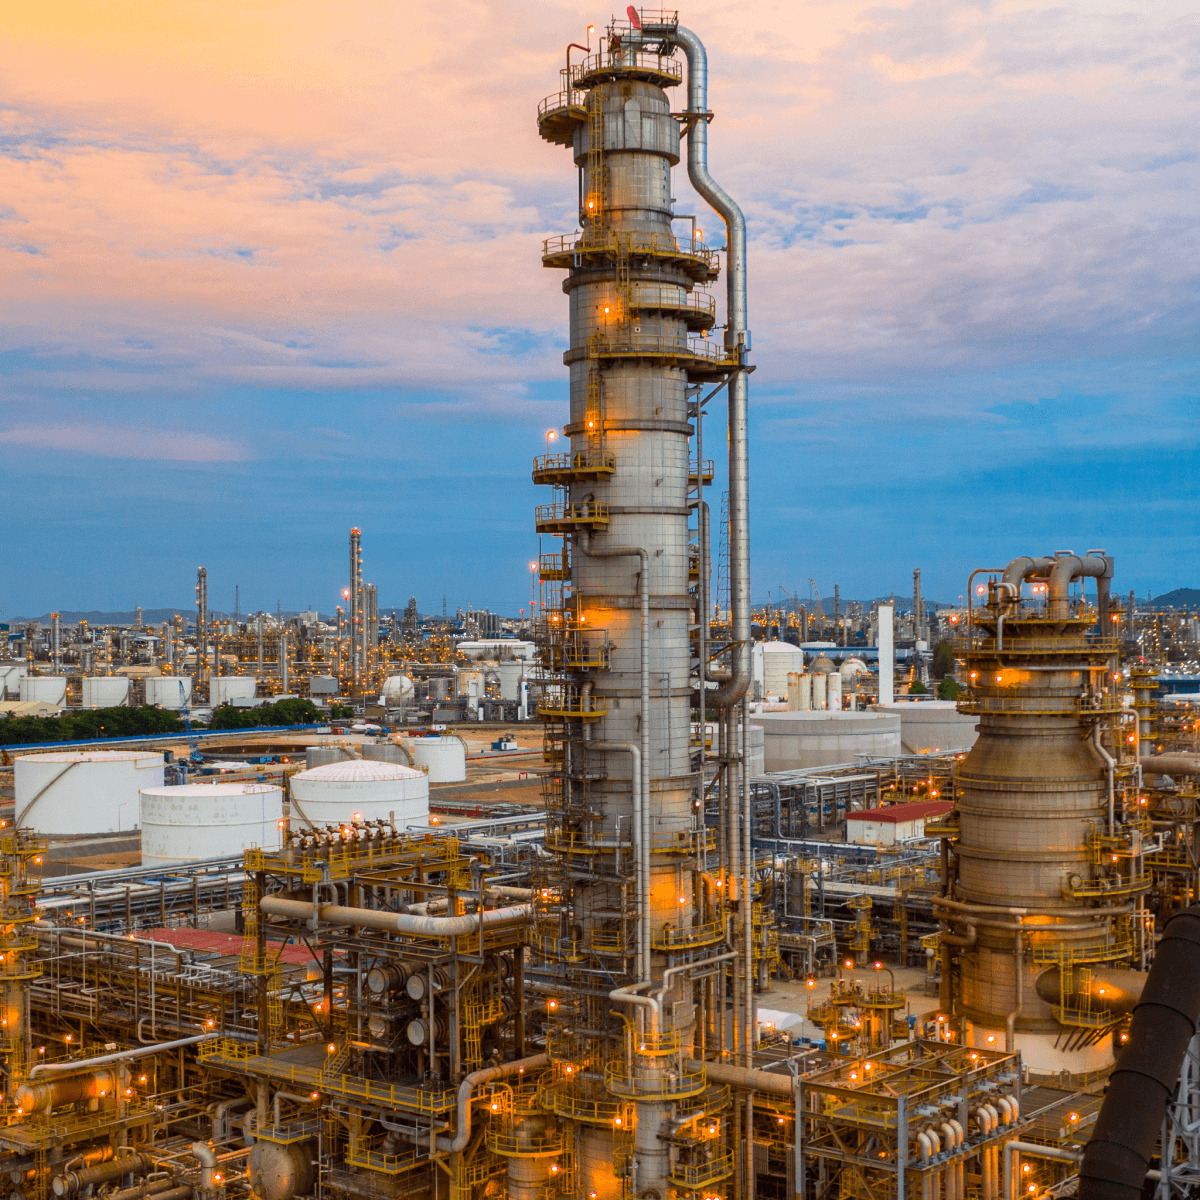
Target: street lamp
[(550, 436)]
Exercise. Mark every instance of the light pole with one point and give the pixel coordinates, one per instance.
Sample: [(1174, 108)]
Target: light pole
[(550, 436)]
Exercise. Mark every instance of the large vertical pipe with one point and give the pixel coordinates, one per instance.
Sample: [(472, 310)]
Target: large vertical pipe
[(737, 342)]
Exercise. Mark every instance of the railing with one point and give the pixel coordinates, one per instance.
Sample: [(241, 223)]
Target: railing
[(673, 299), (585, 512), (1045, 706), (698, 1175), (658, 1045), (676, 1084), (652, 245), (556, 101), (1015, 644), (586, 462), (628, 62), (653, 345), (571, 708), (707, 468), (1101, 889), (503, 1139), (681, 937)]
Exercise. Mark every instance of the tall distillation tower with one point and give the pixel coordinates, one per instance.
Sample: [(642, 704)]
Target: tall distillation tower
[(640, 934), (1044, 894)]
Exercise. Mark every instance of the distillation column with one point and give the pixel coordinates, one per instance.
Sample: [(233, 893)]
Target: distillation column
[(628, 839), (202, 623), (1043, 872), (356, 613)]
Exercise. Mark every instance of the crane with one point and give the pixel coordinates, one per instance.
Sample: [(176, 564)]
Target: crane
[(820, 602), (797, 607)]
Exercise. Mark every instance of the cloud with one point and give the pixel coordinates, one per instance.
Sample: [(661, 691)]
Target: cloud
[(110, 441)]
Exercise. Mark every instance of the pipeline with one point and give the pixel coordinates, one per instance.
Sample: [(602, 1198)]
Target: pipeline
[(737, 338), (85, 1064), (746, 1077), (1171, 764), (390, 922), (1118, 1155), (70, 1183), (463, 1133), (160, 1189)]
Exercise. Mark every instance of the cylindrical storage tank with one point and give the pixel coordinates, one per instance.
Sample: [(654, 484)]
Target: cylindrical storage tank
[(933, 726), (818, 692), (833, 691), (194, 821), (223, 688), (334, 793), (511, 674), (822, 739), (445, 757), (106, 691), (756, 751), (319, 756), (386, 752), (469, 683), (10, 680), (49, 689), (83, 791), (779, 659), (165, 691), (799, 692)]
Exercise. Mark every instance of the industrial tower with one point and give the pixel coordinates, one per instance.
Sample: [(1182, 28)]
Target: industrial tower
[(651, 946)]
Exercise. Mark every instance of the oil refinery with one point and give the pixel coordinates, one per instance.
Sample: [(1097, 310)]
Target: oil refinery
[(652, 894)]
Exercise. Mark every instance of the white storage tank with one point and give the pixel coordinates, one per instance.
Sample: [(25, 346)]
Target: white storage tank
[(445, 758), (194, 821), (49, 689), (511, 674), (833, 692), (10, 680), (318, 756), (164, 691), (332, 794), (386, 752), (397, 690), (934, 726), (83, 791), (823, 739), (223, 688), (773, 662), (105, 691)]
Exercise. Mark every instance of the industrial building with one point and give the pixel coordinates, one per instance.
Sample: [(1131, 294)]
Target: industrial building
[(858, 971)]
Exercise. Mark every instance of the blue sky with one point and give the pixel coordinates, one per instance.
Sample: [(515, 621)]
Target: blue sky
[(263, 279)]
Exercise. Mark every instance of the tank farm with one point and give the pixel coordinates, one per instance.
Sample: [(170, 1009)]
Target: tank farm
[(453, 1012)]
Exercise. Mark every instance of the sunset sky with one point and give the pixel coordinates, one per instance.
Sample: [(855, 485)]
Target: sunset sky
[(269, 270)]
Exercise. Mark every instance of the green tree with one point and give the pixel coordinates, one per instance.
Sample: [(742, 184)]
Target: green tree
[(948, 689), (943, 660), (917, 688)]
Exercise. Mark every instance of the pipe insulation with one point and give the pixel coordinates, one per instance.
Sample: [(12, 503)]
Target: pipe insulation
[(1117, 1157), (390, 922)]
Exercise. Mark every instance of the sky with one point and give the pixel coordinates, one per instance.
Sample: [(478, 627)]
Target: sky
[(269, 270)]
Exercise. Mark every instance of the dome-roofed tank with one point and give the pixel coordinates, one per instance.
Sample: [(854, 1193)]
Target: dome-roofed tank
[(334, 793), (823, 666)]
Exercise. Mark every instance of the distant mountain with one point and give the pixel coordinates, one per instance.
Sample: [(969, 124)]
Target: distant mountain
[(1179, 598)]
